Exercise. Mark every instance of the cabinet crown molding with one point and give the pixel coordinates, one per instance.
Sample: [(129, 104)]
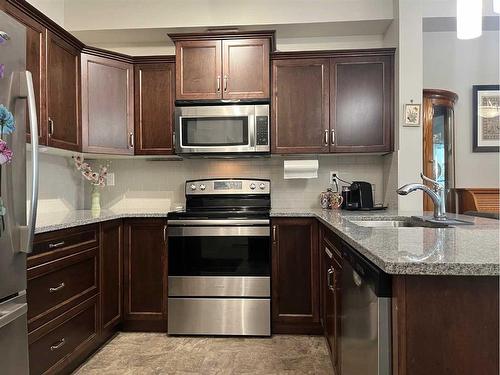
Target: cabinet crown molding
[(332, 53), (226, 35)]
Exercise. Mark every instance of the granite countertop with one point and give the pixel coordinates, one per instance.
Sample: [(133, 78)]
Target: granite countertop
[(48, 222), (460, 250)]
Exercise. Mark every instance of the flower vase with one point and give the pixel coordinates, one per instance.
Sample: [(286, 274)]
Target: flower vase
[(96, 199)]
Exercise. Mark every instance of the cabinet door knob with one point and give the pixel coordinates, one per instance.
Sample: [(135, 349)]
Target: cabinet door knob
[(51, 127), (326, 137), (333, 137)]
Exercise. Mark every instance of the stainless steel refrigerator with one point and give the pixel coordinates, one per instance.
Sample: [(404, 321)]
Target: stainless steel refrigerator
[(17, 220)]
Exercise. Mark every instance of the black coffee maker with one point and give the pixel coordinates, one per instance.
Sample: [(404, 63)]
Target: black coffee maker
[(359, 196)]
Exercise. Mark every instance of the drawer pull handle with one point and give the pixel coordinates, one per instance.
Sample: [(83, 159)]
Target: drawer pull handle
[(58, 345), (57, 288), (57, 244)]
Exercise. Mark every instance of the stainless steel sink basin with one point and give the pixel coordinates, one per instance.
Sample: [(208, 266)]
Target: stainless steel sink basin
[(412, 222), (383, 223)]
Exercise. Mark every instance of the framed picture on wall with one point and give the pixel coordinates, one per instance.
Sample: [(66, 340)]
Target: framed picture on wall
[(412, 115), (486, 118)]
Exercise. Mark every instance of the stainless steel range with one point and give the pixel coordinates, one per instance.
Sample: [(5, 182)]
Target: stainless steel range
[(219, 259)]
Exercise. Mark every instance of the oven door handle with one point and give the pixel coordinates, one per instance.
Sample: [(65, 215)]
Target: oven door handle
[(224, 222), (220, 231)]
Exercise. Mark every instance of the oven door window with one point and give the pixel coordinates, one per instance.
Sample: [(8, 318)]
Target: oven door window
[(215, 131), (219, 256)]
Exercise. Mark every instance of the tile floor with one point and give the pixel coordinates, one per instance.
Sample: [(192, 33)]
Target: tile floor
[(156, 353)]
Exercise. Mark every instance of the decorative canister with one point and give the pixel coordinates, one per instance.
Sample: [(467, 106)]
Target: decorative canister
[(330, 199), (336, 200), (324, 198)]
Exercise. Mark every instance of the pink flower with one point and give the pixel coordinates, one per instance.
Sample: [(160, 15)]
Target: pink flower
[(5, 153)]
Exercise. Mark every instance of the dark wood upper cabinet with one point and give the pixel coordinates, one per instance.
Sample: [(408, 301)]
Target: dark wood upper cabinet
[(223, 65), (245, 69), (107, 105), (361, 104), (111, 269), (36, 37), (145, 276), (154, 108), (295, 275), (63, 93), (198, 69), (300, 109), (333, 101)]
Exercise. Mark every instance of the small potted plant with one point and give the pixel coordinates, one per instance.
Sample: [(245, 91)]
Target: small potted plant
[(96, 179)]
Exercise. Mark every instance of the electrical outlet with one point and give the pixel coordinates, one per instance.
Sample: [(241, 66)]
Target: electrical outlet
[(110, 179), (333, 177)]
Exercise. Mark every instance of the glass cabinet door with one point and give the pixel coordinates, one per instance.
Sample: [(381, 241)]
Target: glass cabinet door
[(439, 159)]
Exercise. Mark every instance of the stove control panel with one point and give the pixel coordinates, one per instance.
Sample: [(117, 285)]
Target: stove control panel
[(228, 186)]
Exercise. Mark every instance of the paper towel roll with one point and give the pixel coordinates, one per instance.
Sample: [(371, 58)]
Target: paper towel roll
[(300, 169)]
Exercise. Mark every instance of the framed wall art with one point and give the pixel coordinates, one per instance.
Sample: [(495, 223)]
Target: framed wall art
[(486, 118), (412, 115)]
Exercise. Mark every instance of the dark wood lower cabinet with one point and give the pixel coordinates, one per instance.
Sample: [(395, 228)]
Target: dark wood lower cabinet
[(145, 275), (440, 324), (331, 269), (295, 276), (62, 344), (445, 325), (111, 256)]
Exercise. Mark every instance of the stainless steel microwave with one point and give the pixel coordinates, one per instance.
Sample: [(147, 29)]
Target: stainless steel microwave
[(222, 129)]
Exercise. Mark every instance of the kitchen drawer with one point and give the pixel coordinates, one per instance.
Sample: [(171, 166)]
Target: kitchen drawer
[(333, 241), (55, 345), (56, 286), (53, 245)]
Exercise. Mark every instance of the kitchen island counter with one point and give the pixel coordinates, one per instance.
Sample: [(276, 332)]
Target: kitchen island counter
[(461, 250)]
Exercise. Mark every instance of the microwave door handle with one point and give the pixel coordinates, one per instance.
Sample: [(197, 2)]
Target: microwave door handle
[(252, 130)]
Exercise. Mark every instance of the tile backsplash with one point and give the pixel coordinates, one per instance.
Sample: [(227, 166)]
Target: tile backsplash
[(141, 183)]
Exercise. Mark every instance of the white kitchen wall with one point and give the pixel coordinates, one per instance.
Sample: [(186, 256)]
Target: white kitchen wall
[(160, 184), (409, 86), (456, 65), (54, 9), (120, 14), (61, 187)]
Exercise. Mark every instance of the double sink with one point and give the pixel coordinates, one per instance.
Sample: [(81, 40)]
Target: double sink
[(408, 221)]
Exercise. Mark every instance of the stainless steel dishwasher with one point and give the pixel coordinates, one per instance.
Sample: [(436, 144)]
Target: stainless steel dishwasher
[(365, 335)]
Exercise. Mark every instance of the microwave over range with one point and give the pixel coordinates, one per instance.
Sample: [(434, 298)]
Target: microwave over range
[(222, 129)]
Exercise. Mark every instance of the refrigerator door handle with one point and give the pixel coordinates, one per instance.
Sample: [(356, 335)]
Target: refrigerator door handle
[(27, 91), (12, 312)]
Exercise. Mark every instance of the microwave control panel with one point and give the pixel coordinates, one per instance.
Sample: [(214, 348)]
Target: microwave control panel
[(262, 130)]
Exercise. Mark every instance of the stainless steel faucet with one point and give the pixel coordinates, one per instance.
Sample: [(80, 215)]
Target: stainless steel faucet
[(437, 194)]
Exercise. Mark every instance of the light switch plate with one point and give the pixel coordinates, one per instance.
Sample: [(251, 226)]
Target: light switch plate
[(110, 179)]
